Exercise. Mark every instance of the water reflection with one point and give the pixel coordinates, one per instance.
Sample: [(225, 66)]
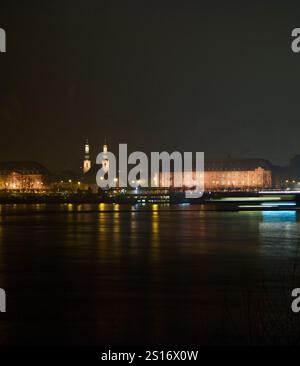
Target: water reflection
[(142, 275), (279, 234), (279, 224), (279, 216), (155, 227)]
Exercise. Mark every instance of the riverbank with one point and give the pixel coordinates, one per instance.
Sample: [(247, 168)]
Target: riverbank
[(236, 201)]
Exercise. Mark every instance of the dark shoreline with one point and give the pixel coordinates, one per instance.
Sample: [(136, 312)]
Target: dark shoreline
[(216, 201)]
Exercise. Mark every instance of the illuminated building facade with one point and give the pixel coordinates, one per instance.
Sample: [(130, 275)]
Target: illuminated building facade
[(23, 176), (228, 174), (219, 175)]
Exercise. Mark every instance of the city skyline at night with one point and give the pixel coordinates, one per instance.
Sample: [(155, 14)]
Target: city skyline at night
[(149, 179)]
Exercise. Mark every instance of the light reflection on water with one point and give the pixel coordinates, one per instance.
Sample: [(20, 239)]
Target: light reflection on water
[(282, 225), (137, 274), (279, 216)]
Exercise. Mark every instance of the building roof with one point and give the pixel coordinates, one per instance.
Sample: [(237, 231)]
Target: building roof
[(23, 167), (237, 164)]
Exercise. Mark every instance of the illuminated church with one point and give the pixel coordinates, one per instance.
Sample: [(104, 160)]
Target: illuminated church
[(87, 160), (87, 164)]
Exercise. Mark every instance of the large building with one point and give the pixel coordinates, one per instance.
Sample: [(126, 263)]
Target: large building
[(238, 174), (22, 176), (228, 174)]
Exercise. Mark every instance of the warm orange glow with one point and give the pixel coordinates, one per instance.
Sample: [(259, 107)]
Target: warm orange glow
[(19, 181), (218, 180)]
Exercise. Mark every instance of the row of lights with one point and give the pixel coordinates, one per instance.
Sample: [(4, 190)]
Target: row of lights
[(233, 182), (70, 181), (292, 181), (14, 185)]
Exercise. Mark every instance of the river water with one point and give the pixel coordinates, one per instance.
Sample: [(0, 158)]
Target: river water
[(147, 275)]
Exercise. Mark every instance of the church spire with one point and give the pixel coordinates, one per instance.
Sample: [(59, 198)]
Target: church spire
[(105, 145), (105, 162), (86, 160)]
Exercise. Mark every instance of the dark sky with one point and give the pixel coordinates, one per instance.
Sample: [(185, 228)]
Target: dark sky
[(218, 77)]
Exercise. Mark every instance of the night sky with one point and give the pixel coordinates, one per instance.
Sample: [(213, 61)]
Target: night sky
[(218, 77)]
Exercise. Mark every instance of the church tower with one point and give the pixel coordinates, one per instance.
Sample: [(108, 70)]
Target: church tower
[(105, 161), (86, 160)]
